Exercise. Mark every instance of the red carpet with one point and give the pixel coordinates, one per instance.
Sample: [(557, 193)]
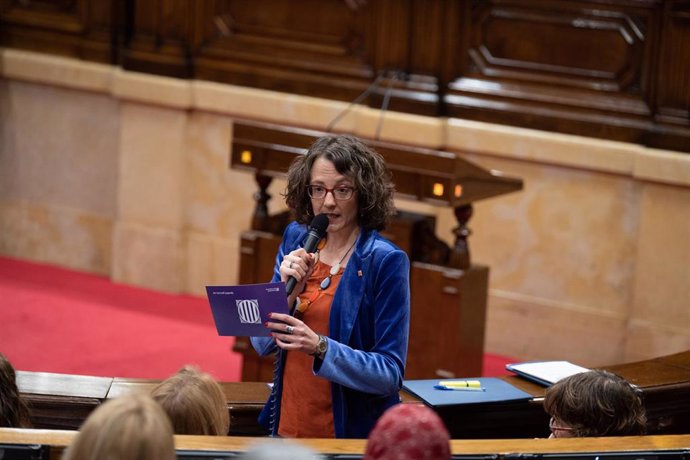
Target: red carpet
[(58, 320)]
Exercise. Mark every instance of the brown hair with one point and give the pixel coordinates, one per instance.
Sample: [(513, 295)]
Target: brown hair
[(355, 160), (195, 403), (13, 410), (130, 427), (597, 403)]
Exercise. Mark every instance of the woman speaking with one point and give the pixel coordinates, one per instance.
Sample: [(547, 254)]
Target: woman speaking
[(343, 352)]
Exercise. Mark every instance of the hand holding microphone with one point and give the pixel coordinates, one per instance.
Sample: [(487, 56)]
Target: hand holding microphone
[(297, 262)]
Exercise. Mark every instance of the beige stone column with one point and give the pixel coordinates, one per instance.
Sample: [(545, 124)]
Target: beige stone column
[(148, 245)]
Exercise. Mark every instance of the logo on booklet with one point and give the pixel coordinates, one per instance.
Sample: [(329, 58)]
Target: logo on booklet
[(248, 311)]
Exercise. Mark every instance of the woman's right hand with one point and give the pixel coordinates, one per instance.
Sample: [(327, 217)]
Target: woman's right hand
[(299, 264)]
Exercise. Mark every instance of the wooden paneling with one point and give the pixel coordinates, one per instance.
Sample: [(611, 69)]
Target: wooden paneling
[(447, 321), (613, 69), (407, 44), (158, 37), (321, 48), (307, 47), (76, 28), (673, 95), (580, 67)]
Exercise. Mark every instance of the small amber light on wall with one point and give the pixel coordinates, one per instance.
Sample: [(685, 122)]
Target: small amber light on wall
[(246, 156), (438, 189), (458, 191)]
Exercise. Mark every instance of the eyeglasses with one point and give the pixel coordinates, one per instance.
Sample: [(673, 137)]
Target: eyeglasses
[(340, 193), (554, 428)]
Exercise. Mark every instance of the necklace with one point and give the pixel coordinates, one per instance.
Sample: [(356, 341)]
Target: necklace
[(303, 305), (335, 269)]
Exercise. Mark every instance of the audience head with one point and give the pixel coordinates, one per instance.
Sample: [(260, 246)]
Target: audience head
[(195, 403), (594, 403), (131, 427), (408, 432), (13, 410), (279, 449)]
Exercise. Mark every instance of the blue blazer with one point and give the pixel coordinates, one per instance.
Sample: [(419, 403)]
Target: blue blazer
[(368, 333)]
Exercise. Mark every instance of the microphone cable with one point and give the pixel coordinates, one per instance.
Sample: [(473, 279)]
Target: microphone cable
[(375, 84), (316, 232), (384, 104)]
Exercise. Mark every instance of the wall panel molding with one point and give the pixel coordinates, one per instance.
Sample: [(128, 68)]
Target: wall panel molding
[(610, 69), (76, 28)]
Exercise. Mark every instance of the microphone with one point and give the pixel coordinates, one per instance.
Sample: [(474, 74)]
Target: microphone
[(317, 230)]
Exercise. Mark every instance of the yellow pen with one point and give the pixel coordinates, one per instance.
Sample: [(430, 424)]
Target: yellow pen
[(461, 385)]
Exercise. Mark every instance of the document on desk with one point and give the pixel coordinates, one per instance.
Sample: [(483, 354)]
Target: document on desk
[(241, 311), (437, 393), (546, 372)]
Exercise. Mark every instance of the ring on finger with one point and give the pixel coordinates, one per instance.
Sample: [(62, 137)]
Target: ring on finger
[(290, 265), (289, 329)]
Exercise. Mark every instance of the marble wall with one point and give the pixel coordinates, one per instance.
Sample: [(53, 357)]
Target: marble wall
[(58, 175), (126, 175)]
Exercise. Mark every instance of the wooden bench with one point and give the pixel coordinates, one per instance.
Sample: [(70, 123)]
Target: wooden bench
[(623, 448), (60, 401)]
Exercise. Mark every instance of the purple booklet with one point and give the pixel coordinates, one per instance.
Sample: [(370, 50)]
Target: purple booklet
[(242, 310)]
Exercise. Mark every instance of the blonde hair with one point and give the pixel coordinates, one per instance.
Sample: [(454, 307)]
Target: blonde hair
[(195, 403), (131, 427)]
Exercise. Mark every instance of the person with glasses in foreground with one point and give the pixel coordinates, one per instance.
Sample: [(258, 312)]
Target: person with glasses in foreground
[(594, 403), (344, 348)]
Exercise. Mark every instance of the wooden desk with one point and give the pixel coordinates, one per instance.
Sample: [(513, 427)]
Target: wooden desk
[(64, 401), (500, 448), (245, 400), (61, 401), (664, 381), (665, 384)]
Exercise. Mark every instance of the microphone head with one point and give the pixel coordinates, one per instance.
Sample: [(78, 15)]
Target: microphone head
[(318, 225)]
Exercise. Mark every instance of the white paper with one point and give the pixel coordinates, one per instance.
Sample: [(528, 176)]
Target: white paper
[(549, 371)]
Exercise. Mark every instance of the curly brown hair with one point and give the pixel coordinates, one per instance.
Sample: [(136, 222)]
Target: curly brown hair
[(597, 403), (355, 160), (13, 410)]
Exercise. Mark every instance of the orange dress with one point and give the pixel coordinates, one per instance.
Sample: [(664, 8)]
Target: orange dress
[(306, 409)]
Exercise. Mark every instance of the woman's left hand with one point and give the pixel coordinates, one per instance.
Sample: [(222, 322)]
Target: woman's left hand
[(292, 334)]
